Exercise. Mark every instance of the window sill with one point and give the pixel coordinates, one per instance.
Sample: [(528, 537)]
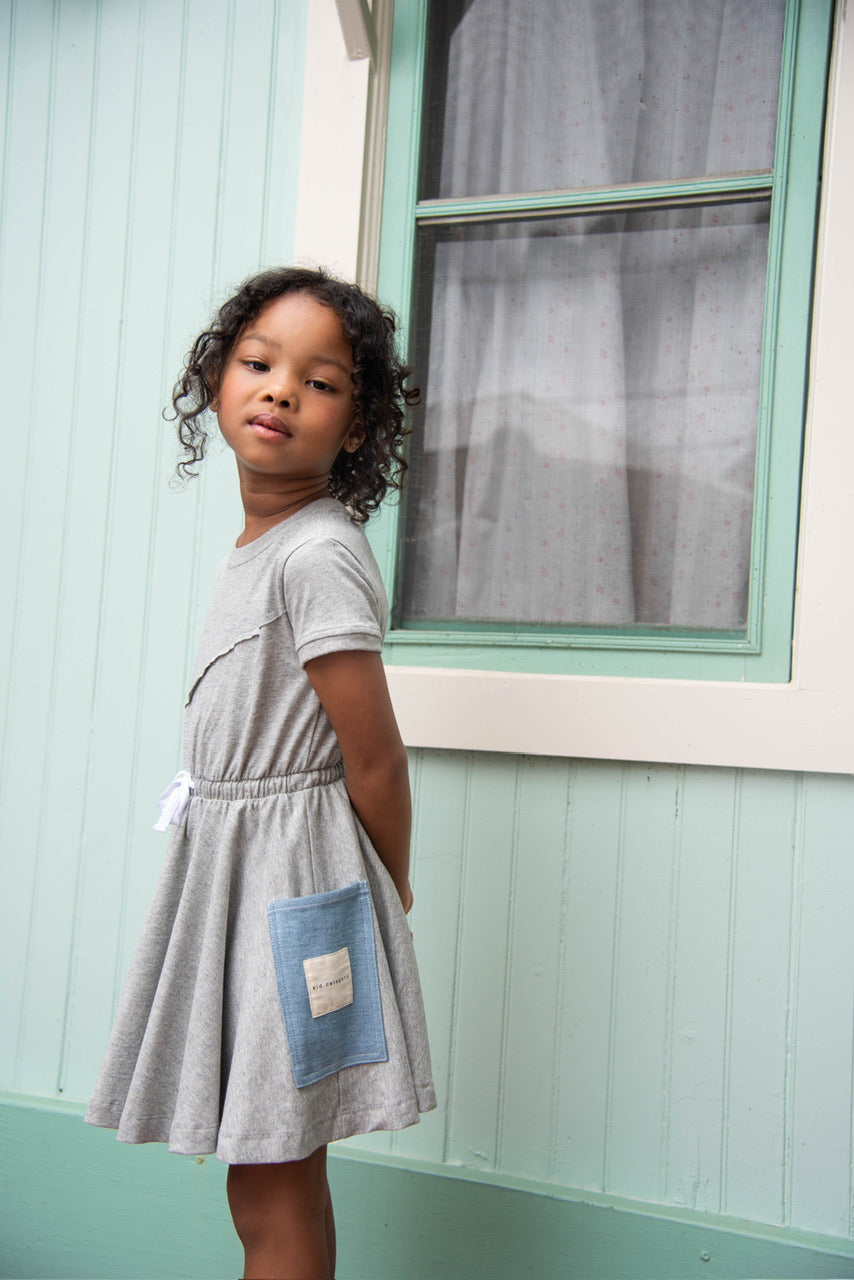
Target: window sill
[(690, 722)]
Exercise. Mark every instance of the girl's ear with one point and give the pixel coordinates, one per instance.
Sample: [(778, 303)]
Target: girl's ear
[(354, 436)]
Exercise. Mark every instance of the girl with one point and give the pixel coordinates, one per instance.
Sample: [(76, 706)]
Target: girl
[(274, 1004)]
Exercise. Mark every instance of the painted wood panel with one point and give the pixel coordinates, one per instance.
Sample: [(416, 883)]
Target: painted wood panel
[(645, 989), (596, 821), (393, 1222), (532, 968), (761, 950), (696, 1043), (149, 163), (818, 1166), (474, 1083), (639, 978)]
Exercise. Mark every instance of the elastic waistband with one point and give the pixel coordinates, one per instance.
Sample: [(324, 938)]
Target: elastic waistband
[(254, 788)]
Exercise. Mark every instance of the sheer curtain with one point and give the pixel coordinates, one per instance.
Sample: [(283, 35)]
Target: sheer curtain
[(587, 448)]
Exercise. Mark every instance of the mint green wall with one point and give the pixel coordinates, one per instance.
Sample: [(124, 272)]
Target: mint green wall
[(150, 161), (639, 980), (127, 1212)]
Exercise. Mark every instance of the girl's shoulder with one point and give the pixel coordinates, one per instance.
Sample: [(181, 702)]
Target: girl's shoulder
[(332, 587), (317, 551), (323, 529), (327, 543), (327, 517), (317, 569)]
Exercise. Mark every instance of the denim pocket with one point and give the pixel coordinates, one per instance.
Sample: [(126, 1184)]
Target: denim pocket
[(326, 971)]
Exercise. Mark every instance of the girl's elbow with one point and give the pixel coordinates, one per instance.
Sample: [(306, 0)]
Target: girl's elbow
[(388, 771)]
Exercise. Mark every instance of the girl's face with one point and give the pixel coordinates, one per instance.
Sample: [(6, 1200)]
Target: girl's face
[(285, 402)]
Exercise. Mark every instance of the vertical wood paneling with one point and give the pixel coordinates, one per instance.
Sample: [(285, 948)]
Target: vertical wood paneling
[(43, 354), (820, 1190), (15, 905), (73, 524), (440, 831), (698, 1016), (635, 1155), (593, 855), (133, 198), (476, 1075), (534, 978), (116, 846), (757, 1048), (639, 980)]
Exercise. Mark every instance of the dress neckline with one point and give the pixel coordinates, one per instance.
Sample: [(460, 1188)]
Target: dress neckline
[(241, 555)]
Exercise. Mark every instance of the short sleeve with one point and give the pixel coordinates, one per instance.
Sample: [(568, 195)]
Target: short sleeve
[(331, 601)]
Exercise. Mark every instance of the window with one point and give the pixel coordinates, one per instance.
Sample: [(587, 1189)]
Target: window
[(604, 240)]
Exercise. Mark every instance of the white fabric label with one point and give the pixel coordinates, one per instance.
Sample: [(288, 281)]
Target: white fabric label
[(330, 982)]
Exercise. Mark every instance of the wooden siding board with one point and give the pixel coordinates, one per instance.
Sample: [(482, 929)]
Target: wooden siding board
[(820, 1169), (480, 997), (108, 427), (114, 845), (93, 484), (33, 759), (528, 1087), (595, 820), (698, 1017), (636, 1116), (757, 1046), (26, 106), (75, 639), (108, 256), (243, 91)]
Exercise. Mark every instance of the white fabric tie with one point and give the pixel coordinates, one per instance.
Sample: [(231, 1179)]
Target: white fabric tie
[(174, 801)]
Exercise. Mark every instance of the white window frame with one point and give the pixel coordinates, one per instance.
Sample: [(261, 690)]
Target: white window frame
[(806, 723)]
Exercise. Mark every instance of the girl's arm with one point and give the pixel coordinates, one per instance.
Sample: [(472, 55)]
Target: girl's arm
[(352, 688)]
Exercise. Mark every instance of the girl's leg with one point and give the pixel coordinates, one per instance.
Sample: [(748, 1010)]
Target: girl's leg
[(329, 1225), (283, 1216)]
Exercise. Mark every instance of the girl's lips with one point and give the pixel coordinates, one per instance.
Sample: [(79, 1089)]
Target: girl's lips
[(267, 424)]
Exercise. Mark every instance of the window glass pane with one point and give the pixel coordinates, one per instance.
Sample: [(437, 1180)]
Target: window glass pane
[(586, 452), (540, 95)]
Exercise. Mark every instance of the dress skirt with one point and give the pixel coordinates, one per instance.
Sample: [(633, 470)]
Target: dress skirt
[(199, 1056)]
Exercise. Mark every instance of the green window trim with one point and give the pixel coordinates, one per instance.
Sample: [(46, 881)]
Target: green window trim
[(763, 651)]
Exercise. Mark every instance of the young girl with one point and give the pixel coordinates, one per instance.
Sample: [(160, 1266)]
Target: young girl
[(274, 1004)]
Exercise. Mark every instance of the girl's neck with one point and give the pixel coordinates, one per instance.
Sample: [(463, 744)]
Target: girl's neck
[(263, 510)]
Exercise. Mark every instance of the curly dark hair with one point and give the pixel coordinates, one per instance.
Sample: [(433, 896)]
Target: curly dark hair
[(361, 479)]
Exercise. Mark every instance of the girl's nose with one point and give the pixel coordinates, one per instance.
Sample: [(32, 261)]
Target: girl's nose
[(281, 394)]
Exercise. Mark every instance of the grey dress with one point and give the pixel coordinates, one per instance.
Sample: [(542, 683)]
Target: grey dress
[(201, 1054)]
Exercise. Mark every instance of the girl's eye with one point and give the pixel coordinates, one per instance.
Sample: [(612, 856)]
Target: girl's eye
[(320, 385), (258, 366)]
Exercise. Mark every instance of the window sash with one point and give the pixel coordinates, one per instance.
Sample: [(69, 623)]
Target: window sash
[(762, 652)]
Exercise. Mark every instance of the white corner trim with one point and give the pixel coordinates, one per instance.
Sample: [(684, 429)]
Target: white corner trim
[(332, 144), (807, 724)]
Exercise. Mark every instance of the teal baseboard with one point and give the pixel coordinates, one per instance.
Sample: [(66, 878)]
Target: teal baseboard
[(77, 1204)]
